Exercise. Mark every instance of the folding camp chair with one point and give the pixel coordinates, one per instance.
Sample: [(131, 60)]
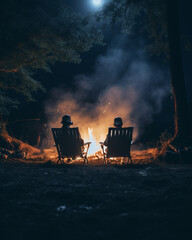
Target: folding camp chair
[(119, 143), (68, 144)]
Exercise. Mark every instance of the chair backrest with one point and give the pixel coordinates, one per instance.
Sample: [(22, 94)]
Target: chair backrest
[(119, 142), (67, 142)]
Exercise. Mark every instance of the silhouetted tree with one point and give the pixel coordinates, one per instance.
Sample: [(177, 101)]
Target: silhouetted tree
[(182, 127), (33, 35)]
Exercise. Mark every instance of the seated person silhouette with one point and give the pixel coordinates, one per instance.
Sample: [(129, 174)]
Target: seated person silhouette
[(118, 123), (66, 121)]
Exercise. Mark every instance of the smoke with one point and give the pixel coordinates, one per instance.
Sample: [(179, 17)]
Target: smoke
[(124, 84)]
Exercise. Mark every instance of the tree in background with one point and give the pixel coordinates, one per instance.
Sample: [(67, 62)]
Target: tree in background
[(160, 22), (34, 34), (182, 125)]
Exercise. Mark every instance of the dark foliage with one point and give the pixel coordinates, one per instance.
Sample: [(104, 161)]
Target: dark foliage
[(146, 17), (33, 35)]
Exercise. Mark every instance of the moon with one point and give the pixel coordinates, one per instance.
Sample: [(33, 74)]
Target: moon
[(97, 2)]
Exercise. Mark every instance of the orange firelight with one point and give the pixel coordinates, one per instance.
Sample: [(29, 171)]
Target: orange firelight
[(95, 146)]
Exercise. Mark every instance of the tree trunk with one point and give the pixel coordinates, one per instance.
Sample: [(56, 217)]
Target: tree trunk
[(177, 74)]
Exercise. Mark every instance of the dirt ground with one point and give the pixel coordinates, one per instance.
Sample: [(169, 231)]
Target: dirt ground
[(142, 201)]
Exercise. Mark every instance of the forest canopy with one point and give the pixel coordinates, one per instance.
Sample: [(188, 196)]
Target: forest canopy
[(146, 18), (33, 35)]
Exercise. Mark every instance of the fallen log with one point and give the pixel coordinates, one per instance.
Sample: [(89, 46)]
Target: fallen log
[(12, 147)]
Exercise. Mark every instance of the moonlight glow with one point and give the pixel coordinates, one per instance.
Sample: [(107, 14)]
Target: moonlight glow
[(97, 2)]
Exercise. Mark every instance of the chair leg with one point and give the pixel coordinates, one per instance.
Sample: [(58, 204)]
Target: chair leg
[(124, 160), (85, 160), (85, 155), (129, 158), (104, 159), (59, 160)]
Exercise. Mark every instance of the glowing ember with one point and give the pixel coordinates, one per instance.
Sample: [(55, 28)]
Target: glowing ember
[(95, 146)]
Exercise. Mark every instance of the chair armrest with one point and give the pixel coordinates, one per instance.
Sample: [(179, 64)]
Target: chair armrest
[(87, 143)]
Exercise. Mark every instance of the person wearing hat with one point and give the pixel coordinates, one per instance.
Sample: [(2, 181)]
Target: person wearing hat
[(118, 123), (66, 121)]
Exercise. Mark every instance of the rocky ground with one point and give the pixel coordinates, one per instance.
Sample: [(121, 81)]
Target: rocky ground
[(40, 200)]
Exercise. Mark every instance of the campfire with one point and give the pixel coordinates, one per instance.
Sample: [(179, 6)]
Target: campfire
[(95, 148)]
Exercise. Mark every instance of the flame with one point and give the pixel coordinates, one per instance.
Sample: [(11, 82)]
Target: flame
[(95, 146)]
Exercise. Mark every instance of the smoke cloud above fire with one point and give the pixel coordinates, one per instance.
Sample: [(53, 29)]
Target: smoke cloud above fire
[(125, 83)]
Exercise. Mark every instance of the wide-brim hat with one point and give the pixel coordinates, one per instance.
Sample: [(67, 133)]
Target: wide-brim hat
[(66, 120), (118, 122)]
